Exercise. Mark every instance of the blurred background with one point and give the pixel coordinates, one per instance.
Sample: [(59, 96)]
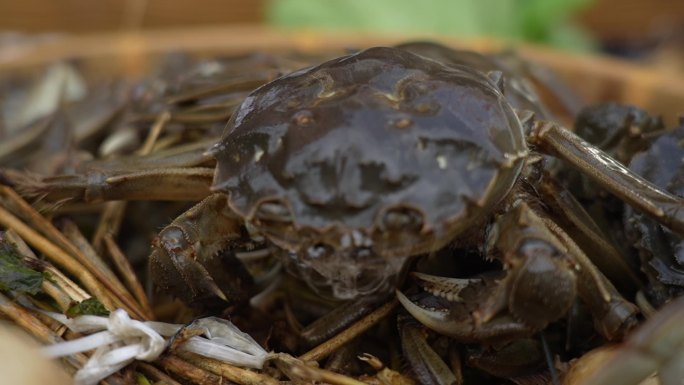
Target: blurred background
[(578, 40), (644, 30)]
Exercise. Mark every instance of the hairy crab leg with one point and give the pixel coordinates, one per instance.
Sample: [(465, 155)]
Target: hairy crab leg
[(162, 184), (181, 173), (657, 346), (425, 363), (553, 139), (337, 320), (584, 231), (194, 256), (614, 316), (504, 359), (544, 262)]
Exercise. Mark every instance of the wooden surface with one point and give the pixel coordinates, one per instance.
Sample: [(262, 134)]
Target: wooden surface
[(595, 78), (87, 16), (634, 20), (606, 19)]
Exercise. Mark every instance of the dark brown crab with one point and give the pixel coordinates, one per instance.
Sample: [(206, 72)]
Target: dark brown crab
[(353, 166), (661, 251), (640, 140)]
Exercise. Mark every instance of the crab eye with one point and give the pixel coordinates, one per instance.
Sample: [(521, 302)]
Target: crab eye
[(403, 218), (274, 211), (173, 238), (319, 251)]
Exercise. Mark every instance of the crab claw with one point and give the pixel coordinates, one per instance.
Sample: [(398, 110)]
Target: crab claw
[(199, 266), (448, 288), (454, 318), (175, 272)]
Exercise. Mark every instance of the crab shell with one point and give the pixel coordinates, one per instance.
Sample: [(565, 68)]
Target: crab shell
[(382, 149), (519, 92)]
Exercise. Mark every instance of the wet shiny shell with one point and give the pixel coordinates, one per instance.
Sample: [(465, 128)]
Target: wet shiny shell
[(519, 91), (348, 143)]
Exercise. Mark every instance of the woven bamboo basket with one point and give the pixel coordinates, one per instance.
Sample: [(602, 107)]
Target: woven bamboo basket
[(594, 78)]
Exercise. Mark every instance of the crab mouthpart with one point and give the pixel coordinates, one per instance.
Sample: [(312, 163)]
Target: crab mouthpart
[(347, 273)]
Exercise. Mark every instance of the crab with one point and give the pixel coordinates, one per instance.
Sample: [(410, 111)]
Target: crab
[(620, 130), (652, 354), (641, 141), (350, 169), (659, 249)]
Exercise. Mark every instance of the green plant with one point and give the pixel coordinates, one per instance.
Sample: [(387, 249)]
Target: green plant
[(545, 21)]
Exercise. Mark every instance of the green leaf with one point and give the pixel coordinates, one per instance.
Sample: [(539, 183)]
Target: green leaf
[(141, 379), (510, 20), (90, 306), (15, 276)]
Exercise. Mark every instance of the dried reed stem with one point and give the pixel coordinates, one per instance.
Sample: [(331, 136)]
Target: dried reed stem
[(156, 130), (30, 323), (126, 271), (300, 370), (110, 222), (27, 321), (157, 375), (113, 213), (57, 256), (232, 373), (74, 235), (197, 376), (112, 294), (63, 295)]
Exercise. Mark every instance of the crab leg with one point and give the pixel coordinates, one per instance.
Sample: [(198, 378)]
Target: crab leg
[(546, 270), (337, 320), (425, 363), (161, 184), (183, 173), (504, 359), (579, 225), (553, 139), (194, 259), (655, 346)]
